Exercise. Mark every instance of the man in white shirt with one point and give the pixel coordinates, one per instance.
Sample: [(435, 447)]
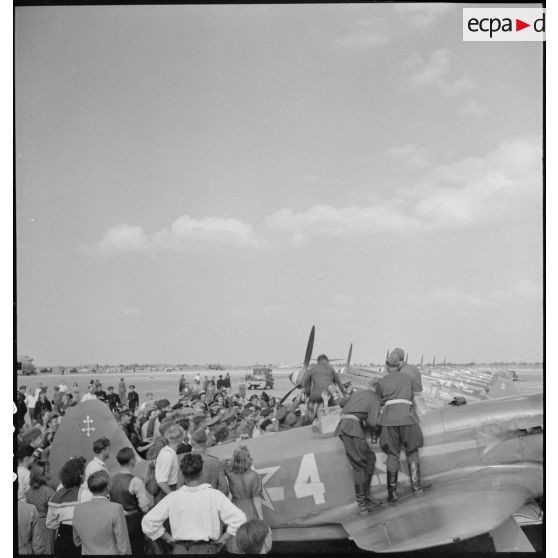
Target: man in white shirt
[(30, 401), (63, 387), (101, 449), (199, 532), (90, 393), (166, 466)]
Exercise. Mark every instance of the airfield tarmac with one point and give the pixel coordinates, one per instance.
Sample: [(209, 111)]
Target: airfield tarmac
[(165, 385)]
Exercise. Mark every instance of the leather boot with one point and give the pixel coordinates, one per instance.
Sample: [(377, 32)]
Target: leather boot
[(414, 473), (361, 499), (371, 502), (392, 486)]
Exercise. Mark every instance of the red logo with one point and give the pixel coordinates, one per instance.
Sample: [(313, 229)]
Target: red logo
[(519, 25)]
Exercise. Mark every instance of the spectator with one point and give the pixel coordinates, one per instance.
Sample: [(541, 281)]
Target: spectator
[(28, 529), (90, 393), (245, 486), (101, 450), (254, 537), (166, 467), (148, 404), (42, 406), (25, 458), (38, 495), (213, 471), (122, 390), (113, 399), (133, 399), (125, 419), (33, 437), (199, 532), (160, 442), (21, 407), (242, 390), (30, 401), (61, 507), (99, 526), (57, 398), (129, 491)]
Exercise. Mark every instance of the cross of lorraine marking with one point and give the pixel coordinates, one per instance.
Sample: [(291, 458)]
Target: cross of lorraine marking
[(88, 428)]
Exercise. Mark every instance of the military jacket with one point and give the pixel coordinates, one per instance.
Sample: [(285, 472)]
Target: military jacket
[(398, 385), (365, 405)]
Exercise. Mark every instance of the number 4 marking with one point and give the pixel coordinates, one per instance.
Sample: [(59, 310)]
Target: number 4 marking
[(308, 480)]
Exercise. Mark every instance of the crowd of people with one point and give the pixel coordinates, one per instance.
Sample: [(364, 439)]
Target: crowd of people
[(206, 413), (87, 511)]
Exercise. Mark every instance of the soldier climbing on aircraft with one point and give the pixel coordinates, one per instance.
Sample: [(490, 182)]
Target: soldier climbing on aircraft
[(317, 381), (361, 411), (399, 421)]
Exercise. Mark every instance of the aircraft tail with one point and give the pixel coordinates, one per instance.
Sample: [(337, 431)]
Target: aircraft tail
[(82, 425), (501, 385)]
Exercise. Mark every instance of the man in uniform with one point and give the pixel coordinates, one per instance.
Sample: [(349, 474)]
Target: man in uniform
[(317, 380), (399, 421), (361, 412)]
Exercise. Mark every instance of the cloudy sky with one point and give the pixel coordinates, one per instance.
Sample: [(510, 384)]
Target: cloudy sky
[(205, 183)]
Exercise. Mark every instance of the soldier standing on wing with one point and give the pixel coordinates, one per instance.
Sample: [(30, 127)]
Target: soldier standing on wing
[(399, 421)]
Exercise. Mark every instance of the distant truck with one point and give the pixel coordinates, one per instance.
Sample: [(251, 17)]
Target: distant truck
[(25, 366), (260, 378)]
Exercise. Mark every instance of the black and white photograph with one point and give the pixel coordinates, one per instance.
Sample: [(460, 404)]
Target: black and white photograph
[(279, 278)]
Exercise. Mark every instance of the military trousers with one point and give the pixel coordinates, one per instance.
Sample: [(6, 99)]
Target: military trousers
[(361, 457), (393, 439)]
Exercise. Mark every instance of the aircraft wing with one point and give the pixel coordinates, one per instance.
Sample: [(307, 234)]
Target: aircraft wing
[(457, 509)]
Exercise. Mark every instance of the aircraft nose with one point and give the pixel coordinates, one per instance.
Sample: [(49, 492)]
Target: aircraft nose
[(296, 377)]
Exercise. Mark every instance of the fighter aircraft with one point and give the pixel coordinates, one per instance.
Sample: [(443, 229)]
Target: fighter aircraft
[(483, 462)]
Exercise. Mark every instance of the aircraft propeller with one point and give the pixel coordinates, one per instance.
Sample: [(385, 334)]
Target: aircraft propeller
[(307, 358)]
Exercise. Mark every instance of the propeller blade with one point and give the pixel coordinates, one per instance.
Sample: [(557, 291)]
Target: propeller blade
[(309, 347), (307, 358), (348, 365)]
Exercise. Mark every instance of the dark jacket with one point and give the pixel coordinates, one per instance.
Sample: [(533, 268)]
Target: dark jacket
[(365, 405), (40, 408), (398, 385)]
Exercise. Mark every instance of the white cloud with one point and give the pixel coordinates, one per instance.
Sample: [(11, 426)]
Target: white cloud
[(413, 156), (503, 187), (422, 16), (123, 238), (432, 70), (185, 231), (366, 34), (435, 71)]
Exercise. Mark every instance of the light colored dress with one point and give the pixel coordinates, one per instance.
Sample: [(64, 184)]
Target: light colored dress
[(244, 488)]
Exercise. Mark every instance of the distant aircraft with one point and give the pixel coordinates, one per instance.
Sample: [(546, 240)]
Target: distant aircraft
[(484, 462)]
